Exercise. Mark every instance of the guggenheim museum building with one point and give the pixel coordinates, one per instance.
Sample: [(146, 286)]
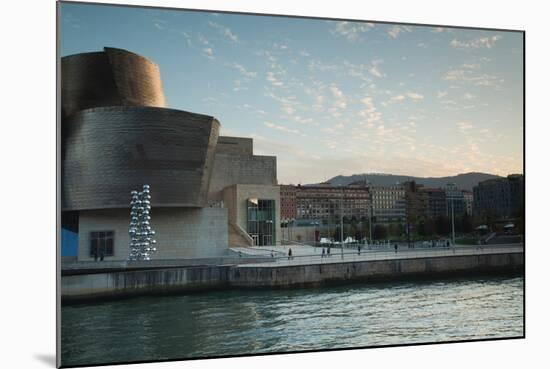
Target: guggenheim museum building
[(208, 192)]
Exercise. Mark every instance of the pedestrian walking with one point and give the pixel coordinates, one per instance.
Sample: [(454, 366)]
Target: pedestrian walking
[(328, 251), (101, 255), (359, 250), (289, 253), (395, 247), (323, 253)]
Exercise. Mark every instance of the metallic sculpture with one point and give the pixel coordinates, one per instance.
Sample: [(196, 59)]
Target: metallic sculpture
[(142, 243)]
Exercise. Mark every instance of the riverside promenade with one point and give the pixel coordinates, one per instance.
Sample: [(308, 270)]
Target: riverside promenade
[(256, 268), (309, 255)]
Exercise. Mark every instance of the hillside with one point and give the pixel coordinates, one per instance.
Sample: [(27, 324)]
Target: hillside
[(465, 181)]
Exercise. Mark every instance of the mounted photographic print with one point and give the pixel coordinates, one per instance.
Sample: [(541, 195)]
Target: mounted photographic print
[(240, 184)]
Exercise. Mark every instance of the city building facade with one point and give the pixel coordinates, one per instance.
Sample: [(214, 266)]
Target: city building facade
[(328, 203), (288, 202), (500, 198), (468, 201), (415, 202), (388, 204), (436, 202)]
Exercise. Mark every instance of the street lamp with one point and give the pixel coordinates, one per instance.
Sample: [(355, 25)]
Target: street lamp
[(452, 187), (342, 225), (270, 222)]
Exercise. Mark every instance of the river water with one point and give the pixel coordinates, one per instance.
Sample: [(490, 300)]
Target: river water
[(246, 322)]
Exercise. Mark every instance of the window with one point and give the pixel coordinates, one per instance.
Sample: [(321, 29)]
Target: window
[(261, 220), (102, 241)]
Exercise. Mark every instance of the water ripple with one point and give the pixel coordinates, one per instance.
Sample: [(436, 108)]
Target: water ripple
[(243, 322)]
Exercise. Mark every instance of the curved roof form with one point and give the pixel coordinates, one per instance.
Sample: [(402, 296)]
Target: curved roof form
[(112, 77)]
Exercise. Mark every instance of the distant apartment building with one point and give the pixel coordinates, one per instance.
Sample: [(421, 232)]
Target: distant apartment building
[(436, 202), (388, 203), (324, 202), (468, 201), (500, 198), (415, 201), (288, 202)]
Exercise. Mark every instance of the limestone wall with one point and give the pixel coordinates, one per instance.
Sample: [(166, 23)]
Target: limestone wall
[(180, 232)]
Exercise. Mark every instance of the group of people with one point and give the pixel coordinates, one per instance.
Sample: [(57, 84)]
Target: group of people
[(100, 254), (325, 254)]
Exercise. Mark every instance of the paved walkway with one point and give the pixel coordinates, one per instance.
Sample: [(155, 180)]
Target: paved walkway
[(306, 255)]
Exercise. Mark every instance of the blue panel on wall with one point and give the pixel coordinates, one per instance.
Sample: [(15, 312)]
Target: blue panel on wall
[(69, 243)]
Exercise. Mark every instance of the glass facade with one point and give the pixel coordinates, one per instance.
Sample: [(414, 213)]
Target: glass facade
[(261, 221)]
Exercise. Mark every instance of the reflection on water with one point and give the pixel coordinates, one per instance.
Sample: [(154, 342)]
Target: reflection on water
[(246, 322)]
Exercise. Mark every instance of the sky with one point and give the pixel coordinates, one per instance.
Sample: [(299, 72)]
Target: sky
[(330, 97)]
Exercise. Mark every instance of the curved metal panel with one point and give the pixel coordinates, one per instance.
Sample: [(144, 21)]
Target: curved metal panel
[(113, 150), (113, 77), (137, 78), (87, 82)]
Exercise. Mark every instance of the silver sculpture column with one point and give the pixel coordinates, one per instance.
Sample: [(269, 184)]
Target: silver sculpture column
[(142, 244)]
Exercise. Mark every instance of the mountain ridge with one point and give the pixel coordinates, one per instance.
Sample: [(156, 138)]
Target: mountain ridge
[(464, 181)]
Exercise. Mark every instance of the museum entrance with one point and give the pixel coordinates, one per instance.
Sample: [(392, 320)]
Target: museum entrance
[(261, 221)]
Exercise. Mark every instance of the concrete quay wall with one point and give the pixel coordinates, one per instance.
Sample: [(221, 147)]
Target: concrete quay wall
[(188, 279), (142, 282), (374, 270)]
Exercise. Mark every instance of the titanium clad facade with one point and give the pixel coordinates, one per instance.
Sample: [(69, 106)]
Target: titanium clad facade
[(113, 77), (137, 79), (111, 151)]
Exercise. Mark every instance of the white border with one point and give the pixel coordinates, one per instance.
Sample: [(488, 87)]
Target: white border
[(28, 182)]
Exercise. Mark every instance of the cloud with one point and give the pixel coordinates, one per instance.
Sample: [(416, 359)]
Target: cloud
[(225, 31), (481, 42), (415, 96), (273, 80), (159, 23), (370, 112), (188, 38), (203, 40), (374, 70), (441, 94), (398, 98), (464, 126), (280, 46), (352, 31), (208, 52), (340, 100), (317, 65), (243, 71), (280, 128), (396, 30), (467, 74)]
